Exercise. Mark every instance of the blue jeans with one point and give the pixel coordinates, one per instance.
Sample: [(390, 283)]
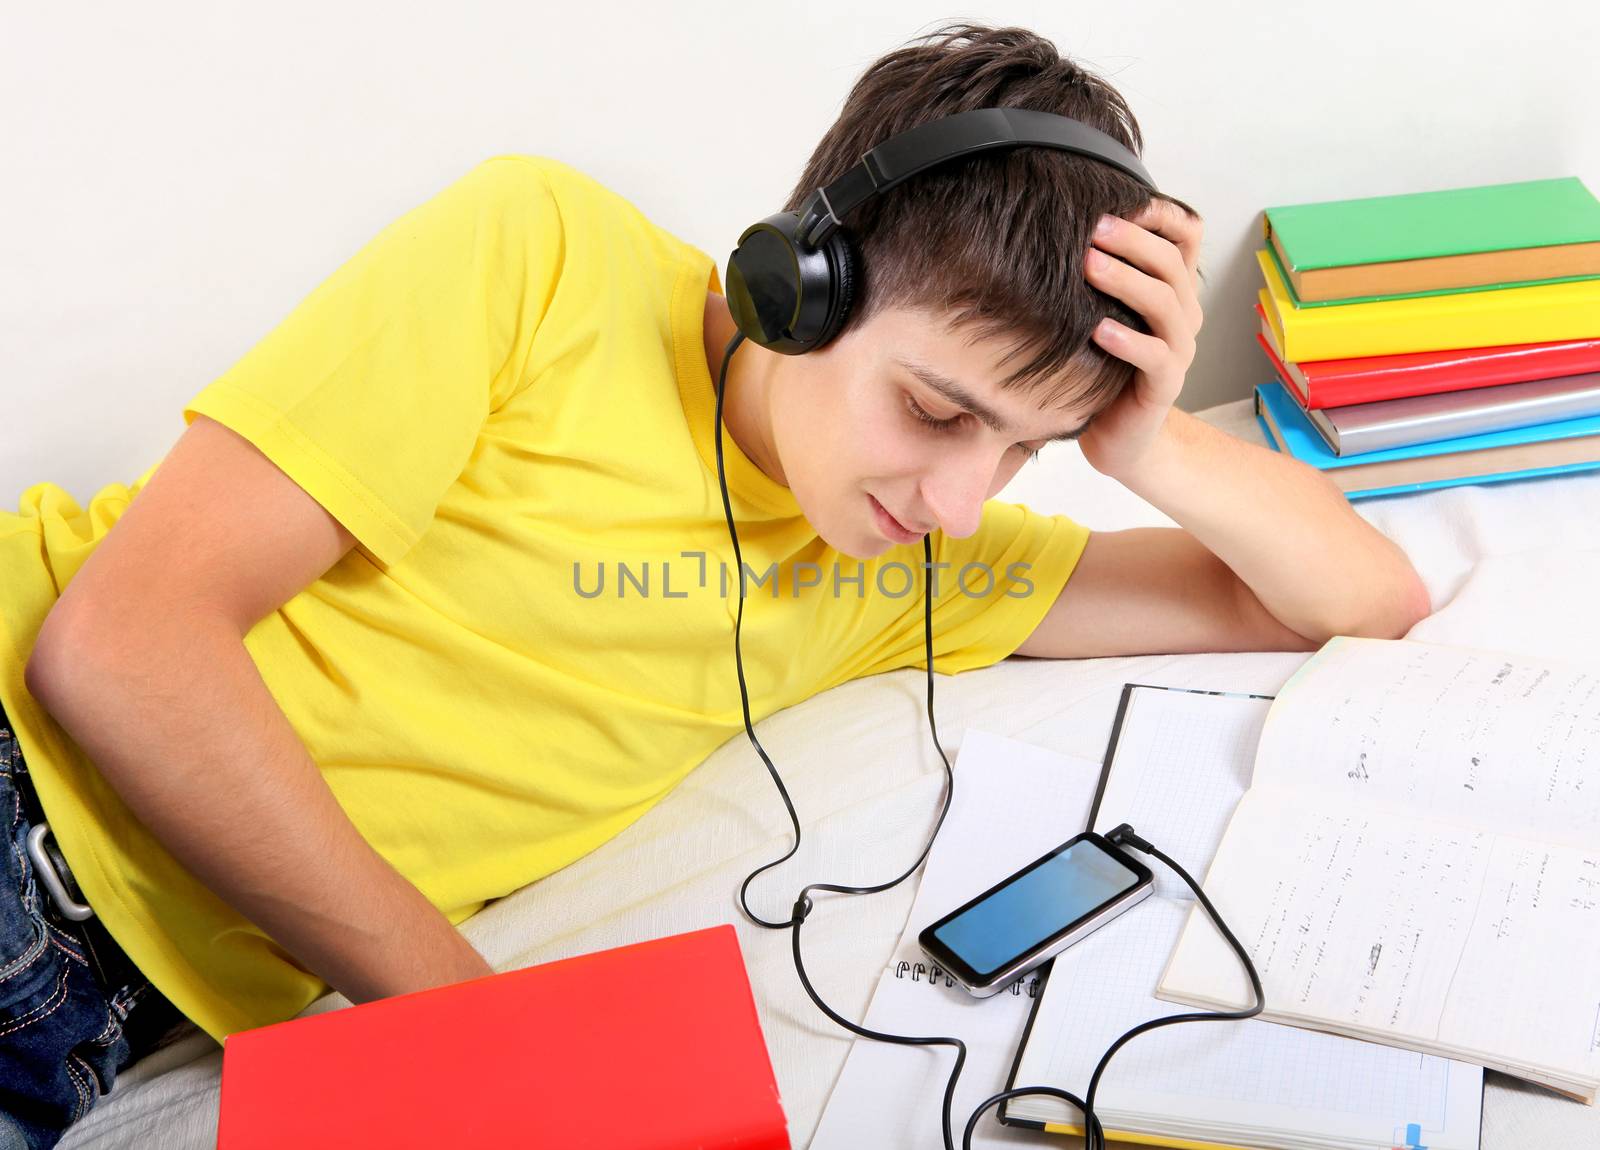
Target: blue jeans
[(63, 1038)]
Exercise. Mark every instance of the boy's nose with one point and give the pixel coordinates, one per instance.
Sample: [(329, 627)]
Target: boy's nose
[(955, 491)]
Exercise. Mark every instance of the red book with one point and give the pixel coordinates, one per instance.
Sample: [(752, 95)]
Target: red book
[(1366, 379), (653, 1046)]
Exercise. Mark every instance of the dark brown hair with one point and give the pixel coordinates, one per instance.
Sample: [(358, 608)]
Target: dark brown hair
[(996, 239)]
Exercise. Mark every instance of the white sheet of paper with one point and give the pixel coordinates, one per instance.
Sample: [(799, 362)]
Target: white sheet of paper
[(890, 1096)]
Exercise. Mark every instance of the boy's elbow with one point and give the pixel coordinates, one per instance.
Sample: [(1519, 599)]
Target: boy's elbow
[(1404, 609), (1389, 614), (1421, 600)]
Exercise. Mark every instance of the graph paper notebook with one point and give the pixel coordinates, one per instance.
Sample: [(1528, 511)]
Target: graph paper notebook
[(1176, 764)]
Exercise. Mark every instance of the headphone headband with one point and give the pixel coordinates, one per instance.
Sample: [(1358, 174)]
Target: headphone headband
[(792, 278), (902, 156)]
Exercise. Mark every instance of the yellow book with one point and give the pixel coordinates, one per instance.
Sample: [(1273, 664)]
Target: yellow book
[(1116, 1138), (1537, 314)]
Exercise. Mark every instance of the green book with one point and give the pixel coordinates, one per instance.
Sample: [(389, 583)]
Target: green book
[(1433, 243)]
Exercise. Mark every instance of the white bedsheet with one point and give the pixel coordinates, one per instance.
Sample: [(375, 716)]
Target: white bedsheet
[(1510, 566)]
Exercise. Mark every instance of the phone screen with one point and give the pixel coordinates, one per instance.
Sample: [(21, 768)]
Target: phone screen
[(1041, 901)]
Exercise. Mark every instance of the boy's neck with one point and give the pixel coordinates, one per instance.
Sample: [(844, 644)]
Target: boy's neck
[(747, 410)]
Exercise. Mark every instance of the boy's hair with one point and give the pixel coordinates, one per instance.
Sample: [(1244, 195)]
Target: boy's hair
[(996, 239)]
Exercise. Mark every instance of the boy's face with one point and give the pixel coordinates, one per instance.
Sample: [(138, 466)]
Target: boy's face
[(847, 435)]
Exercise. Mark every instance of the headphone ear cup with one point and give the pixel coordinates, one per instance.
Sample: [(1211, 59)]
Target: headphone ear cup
[(846, 273), (785, 296), (763, 284)]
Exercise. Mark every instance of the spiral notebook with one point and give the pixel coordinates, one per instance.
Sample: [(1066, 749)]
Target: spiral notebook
[(1176, 764)]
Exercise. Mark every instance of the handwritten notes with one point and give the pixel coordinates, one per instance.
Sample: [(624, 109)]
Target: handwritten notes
[(1417, 858), (1477, 736)]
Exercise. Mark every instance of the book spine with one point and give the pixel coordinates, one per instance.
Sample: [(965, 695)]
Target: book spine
[(1367, 379), (1473, 480), (1567, 311), (1342, 382), (1287, 429), (1412, 279), (1454, 415)]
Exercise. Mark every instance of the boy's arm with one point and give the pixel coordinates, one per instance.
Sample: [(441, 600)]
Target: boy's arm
[(1284, 529), (1155, 591), (185, 731), (142, 660), (1270, 557), (1300, 560)]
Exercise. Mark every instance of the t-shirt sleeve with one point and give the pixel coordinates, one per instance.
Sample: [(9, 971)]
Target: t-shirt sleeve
[(372, 392), (992, 589)]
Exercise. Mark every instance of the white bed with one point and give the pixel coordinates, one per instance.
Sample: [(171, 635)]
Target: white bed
[(1510, 566)]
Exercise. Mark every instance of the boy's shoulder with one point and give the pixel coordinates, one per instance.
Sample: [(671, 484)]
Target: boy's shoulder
[(511, 164), (586, 206), (563, 180)]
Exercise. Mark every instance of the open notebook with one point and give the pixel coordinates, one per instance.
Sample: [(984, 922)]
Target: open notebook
[(1176, 764), (1417, 860)]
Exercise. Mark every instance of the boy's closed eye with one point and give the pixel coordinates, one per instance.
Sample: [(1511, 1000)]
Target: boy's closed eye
[(947, 424)]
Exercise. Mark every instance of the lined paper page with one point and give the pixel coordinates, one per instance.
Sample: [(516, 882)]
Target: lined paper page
[(1182, 763), (1502, 742)]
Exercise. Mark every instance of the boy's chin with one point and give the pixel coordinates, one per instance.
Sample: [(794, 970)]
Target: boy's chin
[(854, 543), (865, 547)]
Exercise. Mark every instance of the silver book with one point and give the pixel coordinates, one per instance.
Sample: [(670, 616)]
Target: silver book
[(1357, 428)]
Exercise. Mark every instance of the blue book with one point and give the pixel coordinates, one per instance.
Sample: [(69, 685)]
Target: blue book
[(1565, 445)]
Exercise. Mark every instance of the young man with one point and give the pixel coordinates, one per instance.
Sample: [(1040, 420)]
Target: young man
[(429, 600)]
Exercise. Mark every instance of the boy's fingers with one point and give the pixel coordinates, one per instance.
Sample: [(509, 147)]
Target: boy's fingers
[(1183, 231), (1174, 224)]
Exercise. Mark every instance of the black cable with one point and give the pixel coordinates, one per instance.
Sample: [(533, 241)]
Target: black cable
[(1094, 1133), (803, 904)]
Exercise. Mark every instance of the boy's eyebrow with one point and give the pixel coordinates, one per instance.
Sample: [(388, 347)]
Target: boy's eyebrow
[(964, 399)]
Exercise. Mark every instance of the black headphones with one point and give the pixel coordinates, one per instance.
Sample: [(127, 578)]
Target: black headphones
[(791, 280)]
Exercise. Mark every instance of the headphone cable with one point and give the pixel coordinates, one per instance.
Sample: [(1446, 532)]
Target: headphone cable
[(1094, 1133)]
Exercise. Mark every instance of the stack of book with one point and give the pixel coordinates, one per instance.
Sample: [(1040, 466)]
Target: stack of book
[(1434, 338)]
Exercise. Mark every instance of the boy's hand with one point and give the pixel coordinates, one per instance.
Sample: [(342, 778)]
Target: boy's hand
[(1159, 250)]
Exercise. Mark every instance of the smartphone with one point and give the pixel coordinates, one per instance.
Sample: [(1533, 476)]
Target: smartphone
[(1036, 913)]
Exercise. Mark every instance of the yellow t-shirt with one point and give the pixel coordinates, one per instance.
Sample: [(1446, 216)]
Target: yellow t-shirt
[(505, 397)]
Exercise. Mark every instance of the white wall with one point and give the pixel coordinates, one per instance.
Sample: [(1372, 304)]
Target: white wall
[(175, 177)]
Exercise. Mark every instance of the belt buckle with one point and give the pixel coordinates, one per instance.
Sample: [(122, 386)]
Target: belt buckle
[(45, 868)]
